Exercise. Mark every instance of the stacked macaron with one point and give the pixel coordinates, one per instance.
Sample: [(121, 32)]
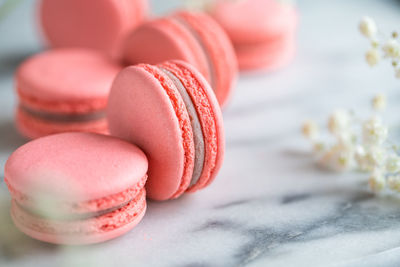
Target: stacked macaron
[(77, 188), (262, 31), (64, 90), (95, 24), (193, 37)]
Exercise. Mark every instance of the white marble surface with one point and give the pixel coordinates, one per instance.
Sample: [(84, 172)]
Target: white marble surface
[(270, 205)]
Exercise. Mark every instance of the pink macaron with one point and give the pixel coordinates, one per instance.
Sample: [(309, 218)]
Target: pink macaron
[(170, 112), (77, 188), (64, 90), (193, 37), (263, 31), (94, 24)]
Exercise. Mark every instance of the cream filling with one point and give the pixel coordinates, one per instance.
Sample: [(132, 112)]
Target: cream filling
[(196, 126), (211, 68), (66, 118)]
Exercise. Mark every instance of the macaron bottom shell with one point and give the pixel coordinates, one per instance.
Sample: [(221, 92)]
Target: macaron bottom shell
[(80, 232), (33, 127)]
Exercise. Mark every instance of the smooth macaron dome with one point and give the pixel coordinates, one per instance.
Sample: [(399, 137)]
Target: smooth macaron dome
[(170, 112), (64, 90), (193, 37), (76, 188), (271, 33), (82, 23)]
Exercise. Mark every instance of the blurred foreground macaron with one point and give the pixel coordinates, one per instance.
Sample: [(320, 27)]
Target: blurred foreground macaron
[(64, 90), (263, 31), (170, 112), (94, 24), (193, 37), (76, 188)]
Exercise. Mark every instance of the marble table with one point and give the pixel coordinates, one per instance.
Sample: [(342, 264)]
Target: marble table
[(270, 205)]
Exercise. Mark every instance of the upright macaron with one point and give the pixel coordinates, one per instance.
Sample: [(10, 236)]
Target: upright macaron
[(193, 37), (170, 112), (64, 90), (94, 24), (76, 188), (263, 31)]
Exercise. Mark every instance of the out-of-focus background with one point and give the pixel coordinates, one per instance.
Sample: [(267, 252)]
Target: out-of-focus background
[(270, 205)]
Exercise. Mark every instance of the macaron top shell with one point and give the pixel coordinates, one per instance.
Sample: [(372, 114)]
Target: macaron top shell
[(66, 75), (253, 21), (140, 111), (164, 39), (193, 37), (83, 23), (75, 167)]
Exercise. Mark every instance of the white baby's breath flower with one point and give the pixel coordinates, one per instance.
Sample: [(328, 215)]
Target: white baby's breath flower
[(310, 130), (393, 164), (394, 182), (374, 133), (372, 57), (339, 121), (360, 156), (338, 158), (377, 180), (391, 49), (369, 159), (319, 147), (379, 102), (368, 27)]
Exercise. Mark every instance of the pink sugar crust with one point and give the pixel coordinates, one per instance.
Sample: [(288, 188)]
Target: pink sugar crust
[(66, 81), (86, 26), (267, 57), (91, 230), (254, 21), (163, 39), (33, 127), (141, 111), (210, 117), (220, 51), (75, 167)]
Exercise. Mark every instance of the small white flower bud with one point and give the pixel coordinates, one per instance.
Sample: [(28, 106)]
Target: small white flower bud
[(310, 130), (377, 181), (374, 133), (394, 182), (339, 121), (368, 27), (391, 49), (372, 57), (338, 158), (319, 147), (393, 164), (379, 102)]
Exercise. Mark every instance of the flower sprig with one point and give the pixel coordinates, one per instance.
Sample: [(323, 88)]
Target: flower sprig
[(358, 145), (381, 46)]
